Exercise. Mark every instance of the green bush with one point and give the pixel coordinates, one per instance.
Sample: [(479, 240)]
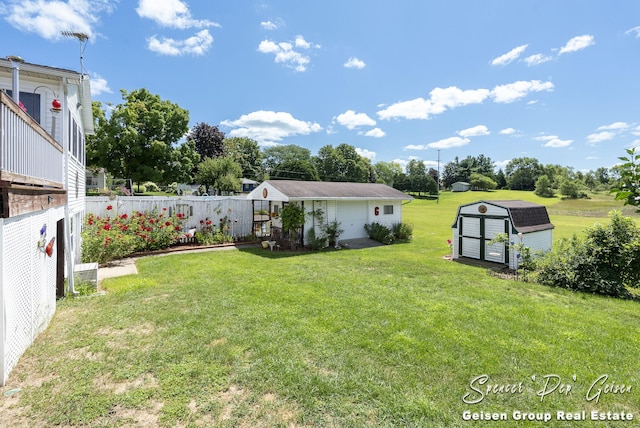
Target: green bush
[(150, 186), (379, 232), (606, 261), (333, 232), (402, 231), (316, 242)]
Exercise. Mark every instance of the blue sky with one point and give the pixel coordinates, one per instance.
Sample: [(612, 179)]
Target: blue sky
[(401, 80)]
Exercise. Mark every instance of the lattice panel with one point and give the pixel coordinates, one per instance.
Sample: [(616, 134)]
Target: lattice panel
[(28, 281)]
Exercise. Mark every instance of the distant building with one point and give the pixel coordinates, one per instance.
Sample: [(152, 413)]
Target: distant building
[(460, 186), (248, 185)]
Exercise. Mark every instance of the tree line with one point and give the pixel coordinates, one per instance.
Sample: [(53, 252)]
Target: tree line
[(145, 138)]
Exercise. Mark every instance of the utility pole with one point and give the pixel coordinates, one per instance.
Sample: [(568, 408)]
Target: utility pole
[(438, 180)]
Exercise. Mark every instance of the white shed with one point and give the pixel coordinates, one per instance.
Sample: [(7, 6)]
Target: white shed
[(351, 204), (478, 223), (460, 186)]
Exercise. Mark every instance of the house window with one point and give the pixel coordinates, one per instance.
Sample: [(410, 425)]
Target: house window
[(388, 209), (31, 102)]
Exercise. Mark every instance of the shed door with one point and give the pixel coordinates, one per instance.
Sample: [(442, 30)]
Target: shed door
[(469, 228), (493, 227), (476, 232)]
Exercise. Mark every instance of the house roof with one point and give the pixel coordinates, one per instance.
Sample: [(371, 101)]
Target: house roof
[(323, 190), (525, 216)]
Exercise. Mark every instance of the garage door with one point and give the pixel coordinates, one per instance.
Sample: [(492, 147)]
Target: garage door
[(352, 218)]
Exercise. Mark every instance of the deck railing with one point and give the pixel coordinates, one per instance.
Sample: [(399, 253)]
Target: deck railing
[(28, 154)]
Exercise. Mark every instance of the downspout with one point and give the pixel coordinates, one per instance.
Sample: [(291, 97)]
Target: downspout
[(15, 77), (67, 215)]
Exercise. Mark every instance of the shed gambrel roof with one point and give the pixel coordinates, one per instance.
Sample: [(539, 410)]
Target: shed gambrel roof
[(525, 216), (324, 190)]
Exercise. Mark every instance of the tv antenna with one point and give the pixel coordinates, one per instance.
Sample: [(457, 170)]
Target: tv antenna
[(82, 38)]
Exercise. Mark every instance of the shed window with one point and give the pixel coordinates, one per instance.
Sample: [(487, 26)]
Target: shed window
[(388, 209)]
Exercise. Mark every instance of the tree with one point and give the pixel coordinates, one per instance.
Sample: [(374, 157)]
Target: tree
[(628, 188), (602, 175), (481, 182), (522, 173), (221, 174), (569, 188), (209, 140), (296, 169), (342, 163), (247, 153), (387, 172), (543, 187), (184, 163), (272, 156), (136, 141), (501, 179), (461, 170)]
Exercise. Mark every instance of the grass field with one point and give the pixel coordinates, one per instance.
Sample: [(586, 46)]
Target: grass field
[(386, 336)]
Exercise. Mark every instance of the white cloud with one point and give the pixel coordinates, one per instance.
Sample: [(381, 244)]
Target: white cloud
[(195, 45), (414, 147), (171, 13), (449, 143), (636, 131), (284, 52), (537, 59), (615, 126), (352, 120), (268, 127), (366, 153), (49, 18), (510, 56), (507, 131), (443, 99), (354, 62), (634, 30), (513, 91), (600, 137), (99, 85), (553, 141), (577, 43), (476, 131), (269, 25), (375, 133), (501, 164)]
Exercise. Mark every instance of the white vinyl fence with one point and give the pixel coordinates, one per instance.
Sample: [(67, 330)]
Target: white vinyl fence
[(237, 209)]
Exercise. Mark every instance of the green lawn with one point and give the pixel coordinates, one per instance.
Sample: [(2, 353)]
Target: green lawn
[(386, 336)]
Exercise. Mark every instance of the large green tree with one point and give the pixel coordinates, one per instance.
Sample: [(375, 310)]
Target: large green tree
[(522, 173), (296, 169), (136, 140), (221, 174), (274, 155), (247, 153), (387, 172), (342, 163)]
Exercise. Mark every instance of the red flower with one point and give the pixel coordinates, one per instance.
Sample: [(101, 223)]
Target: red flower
[(177, 228), (164, 209), (208, 222), (202, 221), (168, 223), (109, 207), (188, 235), (107, 226), (124, 216)]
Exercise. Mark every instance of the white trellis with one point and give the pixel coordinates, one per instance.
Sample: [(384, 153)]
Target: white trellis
[(237, 210)]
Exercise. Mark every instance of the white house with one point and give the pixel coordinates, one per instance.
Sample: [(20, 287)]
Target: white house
[(351, 204), (45, 113), (478, 223)]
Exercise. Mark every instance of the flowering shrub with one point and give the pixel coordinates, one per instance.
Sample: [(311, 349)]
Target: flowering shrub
[(211, 235), (110, 238)]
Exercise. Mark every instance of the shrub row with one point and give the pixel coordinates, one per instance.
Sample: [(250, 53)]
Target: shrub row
[(387, 235)]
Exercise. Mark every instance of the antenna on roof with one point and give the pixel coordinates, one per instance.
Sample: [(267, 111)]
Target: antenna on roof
[(82, 38)]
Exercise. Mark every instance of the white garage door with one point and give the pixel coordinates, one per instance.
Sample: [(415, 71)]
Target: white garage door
[(352, 217)]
